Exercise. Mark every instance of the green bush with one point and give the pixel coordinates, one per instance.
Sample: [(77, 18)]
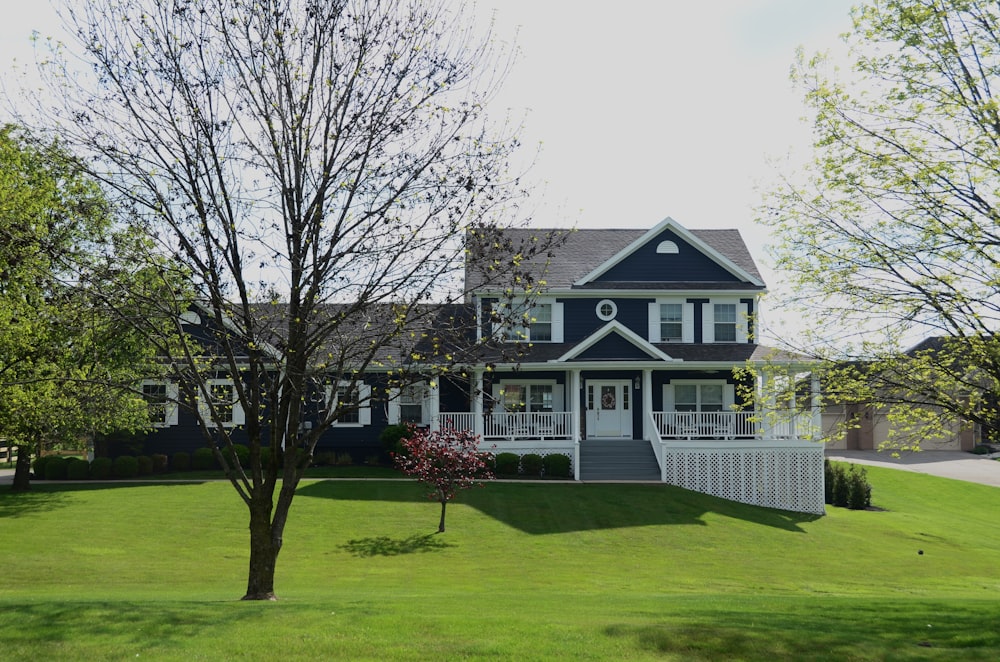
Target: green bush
[(506, 464), (557, 465), (325, 459), (100, 468), (203, 459), (829, 478), (982, 449), (144, 464), (531, 464), (242, 454), (181, 462), (859, 490), (55, 468), (159, 463), (125, 466), (38, 466), (373, 460), (344, 460), (77, 469), (392, 435)]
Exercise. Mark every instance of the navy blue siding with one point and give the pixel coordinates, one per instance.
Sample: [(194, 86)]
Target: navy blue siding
[(613, 348), (646, 265), (580, 318)]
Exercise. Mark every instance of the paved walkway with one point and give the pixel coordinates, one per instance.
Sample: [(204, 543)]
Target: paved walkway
[(947, 464)]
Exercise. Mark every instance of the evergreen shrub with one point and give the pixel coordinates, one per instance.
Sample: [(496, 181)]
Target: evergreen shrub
[(557, 465), (507, 463), (125, 466), (159, 463), (77, 469), (531, 464), (181, 461), (203, 459), (100, 468), (144, 464), (38, 466), (55, 468)]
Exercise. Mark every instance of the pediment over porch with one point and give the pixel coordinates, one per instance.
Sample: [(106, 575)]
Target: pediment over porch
[(614, 342)]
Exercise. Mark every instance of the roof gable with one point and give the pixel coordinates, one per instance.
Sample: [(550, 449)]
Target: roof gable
[(670, 253), (614, 341)]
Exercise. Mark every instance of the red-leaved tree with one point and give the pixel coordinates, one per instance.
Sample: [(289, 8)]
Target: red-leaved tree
[(446, 461)]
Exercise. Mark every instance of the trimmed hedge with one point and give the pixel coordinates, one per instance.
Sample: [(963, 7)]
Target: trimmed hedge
[(531, 465), (145, 465), (100, 468), (77, 469), (55, 468), (38, 466), (847, 488), (203, 459), (125, 466), (507, 463), (181, 461), (159, 463), (557, 465)]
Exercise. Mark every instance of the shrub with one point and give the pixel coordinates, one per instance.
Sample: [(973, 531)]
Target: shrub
[(125, 466), (203, 459), (159, 463), (531, 464), (77, 469), (506, 464), (144, 465), (344, 460), (55, 468), (859, 490), (373, 460), (38, 466), (392, 435), (242, 452), (100, 468), (325, 459), (557, 465), (182, 461), (829, 477), (982, 449), (840, 486)]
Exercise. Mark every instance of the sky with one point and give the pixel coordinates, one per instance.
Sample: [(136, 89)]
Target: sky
[(657, 108)]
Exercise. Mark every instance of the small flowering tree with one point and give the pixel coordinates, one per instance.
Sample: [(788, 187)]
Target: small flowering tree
[(446, 461)]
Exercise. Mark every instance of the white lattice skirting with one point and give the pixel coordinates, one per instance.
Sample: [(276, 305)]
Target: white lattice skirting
[(785, 478)]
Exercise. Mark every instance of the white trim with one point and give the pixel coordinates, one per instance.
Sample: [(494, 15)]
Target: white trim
[(556, 320), (170, 408), (606, 317), (364, 403), (204, 411), (683, 233), (622, 330)]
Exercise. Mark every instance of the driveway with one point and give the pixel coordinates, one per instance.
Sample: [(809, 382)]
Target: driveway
[(947, 464)]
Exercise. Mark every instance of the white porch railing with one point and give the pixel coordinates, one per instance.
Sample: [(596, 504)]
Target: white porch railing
[(513, 425), (705, 424)]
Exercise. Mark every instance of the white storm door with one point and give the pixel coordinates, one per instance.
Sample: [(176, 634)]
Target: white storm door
[(609, 409)]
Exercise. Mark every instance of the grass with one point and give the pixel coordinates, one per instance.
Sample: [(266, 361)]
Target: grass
[(525, 571)]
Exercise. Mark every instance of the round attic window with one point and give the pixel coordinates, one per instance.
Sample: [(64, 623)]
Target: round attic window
[(606, 310)]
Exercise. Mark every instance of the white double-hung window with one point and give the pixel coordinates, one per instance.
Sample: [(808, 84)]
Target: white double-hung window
[(161, 399), (220, 396), (725, 321), (671, 321), (538, 322), (353, 401)]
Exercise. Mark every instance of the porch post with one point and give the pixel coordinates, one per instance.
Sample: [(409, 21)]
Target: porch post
[(647, 402), (817, 407), (477, 401), (573, 393), (766, 399), (434, 403)]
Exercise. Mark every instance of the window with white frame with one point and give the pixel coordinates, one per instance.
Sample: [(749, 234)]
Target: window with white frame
[(161, 399), (699, 396), (411, 404), (671, 322), (725, 320), (220, 396), (353, 402), (528, 396), (540, 322)]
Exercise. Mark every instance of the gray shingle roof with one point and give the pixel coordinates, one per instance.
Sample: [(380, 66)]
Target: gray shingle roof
[(584, 250)]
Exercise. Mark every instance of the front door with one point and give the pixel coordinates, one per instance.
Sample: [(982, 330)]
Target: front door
[(609, 408)]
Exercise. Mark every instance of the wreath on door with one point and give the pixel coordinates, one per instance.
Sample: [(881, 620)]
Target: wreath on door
[(608, 400)]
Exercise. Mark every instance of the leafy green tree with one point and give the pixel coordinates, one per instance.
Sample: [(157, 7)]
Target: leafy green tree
[(66, 365), (893, 234), (321, 170)]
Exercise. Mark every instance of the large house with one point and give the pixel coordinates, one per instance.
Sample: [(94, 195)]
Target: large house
[(639, 361)]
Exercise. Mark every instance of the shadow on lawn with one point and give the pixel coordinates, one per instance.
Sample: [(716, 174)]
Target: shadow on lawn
[(386, 546), (543, 508), (822, 629)]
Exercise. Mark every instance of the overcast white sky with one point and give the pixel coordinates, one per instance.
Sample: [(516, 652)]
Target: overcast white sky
[(644, 110)]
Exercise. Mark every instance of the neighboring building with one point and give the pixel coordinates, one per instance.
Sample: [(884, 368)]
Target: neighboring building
[(633, 362)]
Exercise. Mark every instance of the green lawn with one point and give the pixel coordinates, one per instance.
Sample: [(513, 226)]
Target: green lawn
[(525, 571)]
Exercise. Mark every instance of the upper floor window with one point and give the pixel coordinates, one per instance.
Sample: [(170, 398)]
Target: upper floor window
[(220, 397), (351, 401), (161, 399), (540, 322), (671, 322), (725, 322)]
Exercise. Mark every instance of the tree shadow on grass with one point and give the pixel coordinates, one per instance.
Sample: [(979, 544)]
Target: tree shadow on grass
[(544, 508), (386, 546)]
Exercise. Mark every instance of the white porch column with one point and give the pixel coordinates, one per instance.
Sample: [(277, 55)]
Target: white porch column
[(434, 403), (765, 395), (817, 407), (573, 395), (477, 401), (647, 403)]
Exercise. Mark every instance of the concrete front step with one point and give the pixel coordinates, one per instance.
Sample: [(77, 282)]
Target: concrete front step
[(618, 459)]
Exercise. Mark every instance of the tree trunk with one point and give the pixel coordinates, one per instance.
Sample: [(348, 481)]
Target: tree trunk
[(22, 470), (444, 503), (264, 548)]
